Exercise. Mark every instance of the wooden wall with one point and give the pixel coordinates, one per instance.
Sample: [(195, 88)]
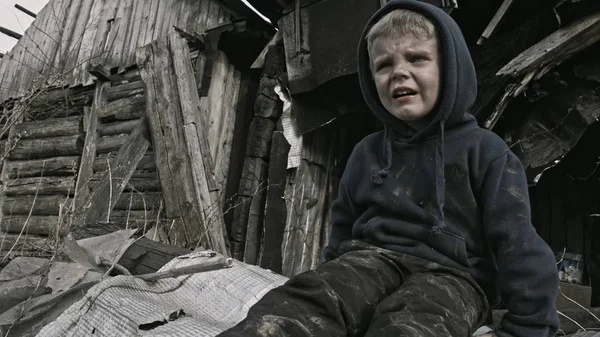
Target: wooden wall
[(68, 35)]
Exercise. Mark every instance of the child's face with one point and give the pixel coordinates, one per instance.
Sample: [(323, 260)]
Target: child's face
[(407, 74)]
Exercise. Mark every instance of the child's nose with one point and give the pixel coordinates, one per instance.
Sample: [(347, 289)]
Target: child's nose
[(400, 73)]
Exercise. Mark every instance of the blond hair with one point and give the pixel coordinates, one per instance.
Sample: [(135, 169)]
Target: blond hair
[(401, 21)]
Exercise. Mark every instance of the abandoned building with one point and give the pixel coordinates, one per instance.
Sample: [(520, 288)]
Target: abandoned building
[(201, 124)]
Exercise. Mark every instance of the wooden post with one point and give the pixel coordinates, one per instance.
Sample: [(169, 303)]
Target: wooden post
[(173, 110), (90, 125), (25, 10)]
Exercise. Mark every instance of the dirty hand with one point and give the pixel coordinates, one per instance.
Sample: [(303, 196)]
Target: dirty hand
[(490, 334)]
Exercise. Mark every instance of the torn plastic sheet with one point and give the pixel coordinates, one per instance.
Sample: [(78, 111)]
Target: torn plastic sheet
[(212, 301), (290, 129)]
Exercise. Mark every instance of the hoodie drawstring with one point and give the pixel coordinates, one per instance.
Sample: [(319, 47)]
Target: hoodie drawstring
[(440, 182), (379, 176)]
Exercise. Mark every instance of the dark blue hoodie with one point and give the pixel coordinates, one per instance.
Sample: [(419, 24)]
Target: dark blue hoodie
[(452, 193)]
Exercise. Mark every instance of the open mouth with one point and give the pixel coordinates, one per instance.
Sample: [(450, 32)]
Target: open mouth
[(403, 93)]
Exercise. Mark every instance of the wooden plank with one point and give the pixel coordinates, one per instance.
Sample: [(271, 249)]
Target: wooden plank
[(191, 111), (123, 109), (556, 48), (162, 18), (196, 141), (133, 39), (114, 181), (68, 27), (119, 127), (175, 148), (275, 208), (253, 182), (40, 225), (148, 23), (489, 30), (56, 166), (41, 186), (111, 143), (81, 58), (222, 161), (46, 147), (124, 90), (37, 205), (121, 23), (304, 201), (259, 137), (52, 127), (103, 161), (88, 155), (254, 228)]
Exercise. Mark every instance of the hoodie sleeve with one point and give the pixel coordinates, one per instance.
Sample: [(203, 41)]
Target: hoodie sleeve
[(344, 210), (527, 274)]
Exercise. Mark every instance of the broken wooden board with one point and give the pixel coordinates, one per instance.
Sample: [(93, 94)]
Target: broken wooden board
[(172, 109), (104, 198), (536, 61)]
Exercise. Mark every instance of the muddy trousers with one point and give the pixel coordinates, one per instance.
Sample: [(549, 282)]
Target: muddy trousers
[(369, 293)]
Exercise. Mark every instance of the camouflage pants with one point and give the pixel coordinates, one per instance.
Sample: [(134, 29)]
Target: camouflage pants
[(371, 292)]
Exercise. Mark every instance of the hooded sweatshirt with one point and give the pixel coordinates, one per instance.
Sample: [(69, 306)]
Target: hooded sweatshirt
[(451, 192)]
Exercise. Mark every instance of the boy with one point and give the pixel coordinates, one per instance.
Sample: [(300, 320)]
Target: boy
[(432, 221)]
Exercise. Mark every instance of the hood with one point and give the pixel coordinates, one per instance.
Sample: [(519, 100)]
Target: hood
[(458, 82)]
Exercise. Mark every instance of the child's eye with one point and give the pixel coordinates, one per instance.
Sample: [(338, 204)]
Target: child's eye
[(418, 59)]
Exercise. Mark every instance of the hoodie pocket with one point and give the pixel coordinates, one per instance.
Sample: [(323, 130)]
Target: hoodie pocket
[(435, 244)]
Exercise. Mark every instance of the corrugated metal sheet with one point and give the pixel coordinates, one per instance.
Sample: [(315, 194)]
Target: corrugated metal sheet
[(67, 34)]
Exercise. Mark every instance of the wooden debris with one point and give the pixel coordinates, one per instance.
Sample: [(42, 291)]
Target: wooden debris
[(10, 33), (489, 30), (536, 61), (217, 264), (275, 208), (104, 198), (177, 144), (145, 256), (101, 72)]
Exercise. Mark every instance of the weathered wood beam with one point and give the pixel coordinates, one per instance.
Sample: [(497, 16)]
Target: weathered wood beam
[(126, 108), (124, 91), (556, 48), (489, 30), (57, 166), (104, 198), (10, 33), (173, 108), (46, 147), (25, 10), (51, 127), (40, 225), (89, 151), (536, 61), (111, 143), (116, 128), (38, 205), (40, 185), (143, 184), (275, 209)]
